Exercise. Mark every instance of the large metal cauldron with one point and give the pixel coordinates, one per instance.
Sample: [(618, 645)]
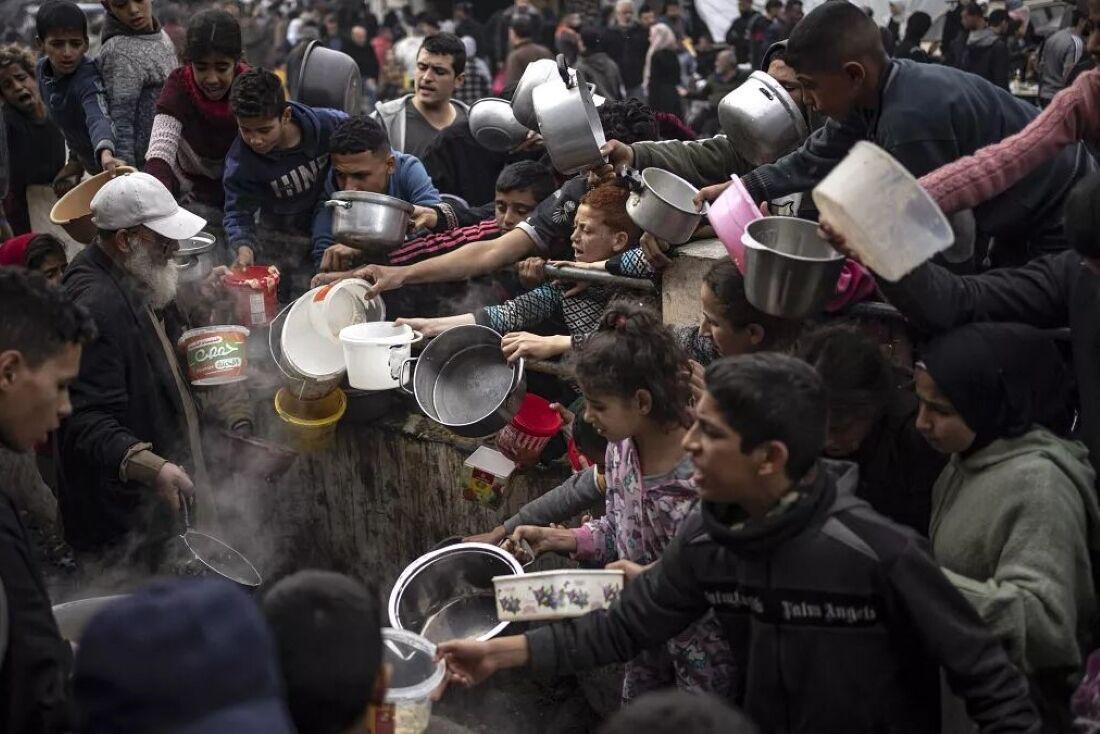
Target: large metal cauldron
[(447, 594)]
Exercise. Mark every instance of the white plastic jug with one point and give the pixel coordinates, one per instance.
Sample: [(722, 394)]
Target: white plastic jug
[(374, 352)]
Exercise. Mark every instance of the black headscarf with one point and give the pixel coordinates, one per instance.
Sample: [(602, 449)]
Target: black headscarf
[(1003, 379)]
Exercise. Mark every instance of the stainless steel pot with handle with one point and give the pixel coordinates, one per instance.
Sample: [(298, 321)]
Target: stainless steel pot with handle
[(569, 122), (761, 120), (195, 258), (328, 78), (790, 271), (663, 204), (494, 126), (373, 223), (463, 382), (523, 103)]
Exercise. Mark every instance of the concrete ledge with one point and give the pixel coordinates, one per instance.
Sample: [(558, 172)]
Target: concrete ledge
[(681, 280)]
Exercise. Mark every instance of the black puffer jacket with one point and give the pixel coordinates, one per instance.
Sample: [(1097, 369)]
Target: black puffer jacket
[(839, 619)]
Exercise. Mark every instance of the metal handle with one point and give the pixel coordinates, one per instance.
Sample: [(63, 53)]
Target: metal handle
[(337, 203), (767, 93), (580, 275), (518, 377), (563, 69), (186, 506), (401, 381)]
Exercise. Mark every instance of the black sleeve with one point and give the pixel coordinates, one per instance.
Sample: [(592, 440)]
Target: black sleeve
[(998, 67), (656, 606)]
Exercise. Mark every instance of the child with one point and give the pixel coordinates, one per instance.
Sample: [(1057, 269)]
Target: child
[(601, 230), (678, 712), (43, 253), (135, 59), (72, 88), (634, 378), (278, 164), (194, 127)]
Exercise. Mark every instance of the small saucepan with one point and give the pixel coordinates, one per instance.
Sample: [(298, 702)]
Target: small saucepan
[(569, 122), (663, 204)]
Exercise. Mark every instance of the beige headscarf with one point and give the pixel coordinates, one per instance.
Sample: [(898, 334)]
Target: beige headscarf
[(661, 37)]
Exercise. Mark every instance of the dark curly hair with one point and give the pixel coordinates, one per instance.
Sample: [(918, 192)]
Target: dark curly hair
[(633, 350), (48, 319), (728, 286), (213, 32), (14, 53), (41, 247), (858, 376), (257, 93), (357, 134), (628, 121)]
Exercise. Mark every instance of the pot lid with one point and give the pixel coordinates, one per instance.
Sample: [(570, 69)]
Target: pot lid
[(372, 198), (200, 243)]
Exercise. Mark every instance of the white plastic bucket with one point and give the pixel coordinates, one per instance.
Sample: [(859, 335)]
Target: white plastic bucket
[(374, 353), (332, 307), (883, 213)]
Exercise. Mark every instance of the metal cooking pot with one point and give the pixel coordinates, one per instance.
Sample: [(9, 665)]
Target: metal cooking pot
[(328, 78), (494, 126), (790, 271), (569, 123), (195, 257), (73, 616), (463, 382), (664, 205), (373, 223), (523, 103), (447, 594), (761, 120)]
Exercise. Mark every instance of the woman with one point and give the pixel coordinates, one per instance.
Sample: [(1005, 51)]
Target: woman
[(194, 126), (661, 77), (1014, 514), (872, 423)]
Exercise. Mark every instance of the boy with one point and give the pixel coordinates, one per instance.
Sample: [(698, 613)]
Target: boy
[(839, 619), (70, 85), (278, 164), (135, 59), (362, 160), (925, 115)]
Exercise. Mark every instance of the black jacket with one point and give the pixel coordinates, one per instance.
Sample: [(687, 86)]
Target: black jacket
[(628, 47), (125, 394), (34, 674), (839, 620), (1051, 292), (986, 54)]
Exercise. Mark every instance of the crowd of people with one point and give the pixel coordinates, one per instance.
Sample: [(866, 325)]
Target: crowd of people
[(818, 532)]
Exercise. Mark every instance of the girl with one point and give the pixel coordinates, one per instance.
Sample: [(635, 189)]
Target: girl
[(634, 379), (662, 71), (42, 253), (194, 126), (1014, 514)]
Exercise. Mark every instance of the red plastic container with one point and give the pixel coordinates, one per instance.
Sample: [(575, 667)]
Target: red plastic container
[(255, 292), (531, 429)]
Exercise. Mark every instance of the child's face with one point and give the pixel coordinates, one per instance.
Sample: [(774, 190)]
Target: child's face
[(262, 134), (65, 49), (615, 418), (137, 15), (834, 93), (512, 207), (19, 88), (214, 75), (723, 473), (366, 171), (53, 267), (592, 239), (937, 420)]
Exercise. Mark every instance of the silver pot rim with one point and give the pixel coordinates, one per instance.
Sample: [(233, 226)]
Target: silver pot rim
[(651, 190), (206, 243), (749, 240), (373, 198)]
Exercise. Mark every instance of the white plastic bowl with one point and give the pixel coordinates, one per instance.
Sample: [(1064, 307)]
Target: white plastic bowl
[(532, 597), (341, 304), (374, 352), (415, 676)]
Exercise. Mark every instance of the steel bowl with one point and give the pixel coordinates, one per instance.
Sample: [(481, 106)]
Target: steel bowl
[(328, 78), (373, 223), (494, 126), (195, 258), (570, 123), (447, 594), (523, 103), (790, 272), (665, 206), (761, 120), (463, 382)]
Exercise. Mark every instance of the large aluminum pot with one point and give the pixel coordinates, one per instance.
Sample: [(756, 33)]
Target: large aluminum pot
[(447, 594), (373, 223), (523, 102), (463, 382), (761, 120), (195, 258), (790, 271), (665, 206), (328, 78), (570, 123), (494, 126)]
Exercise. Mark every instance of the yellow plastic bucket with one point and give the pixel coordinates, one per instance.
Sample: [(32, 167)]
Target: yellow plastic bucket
[(311, 424)]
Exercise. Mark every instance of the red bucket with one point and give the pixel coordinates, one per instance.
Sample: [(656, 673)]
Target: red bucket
[(531, 429), (255, 292)]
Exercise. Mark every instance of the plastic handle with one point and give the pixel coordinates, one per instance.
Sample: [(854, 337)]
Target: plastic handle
[(401, 380), (342, 204)]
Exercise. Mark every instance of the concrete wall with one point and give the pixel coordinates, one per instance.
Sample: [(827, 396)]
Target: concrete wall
[(681, 280)]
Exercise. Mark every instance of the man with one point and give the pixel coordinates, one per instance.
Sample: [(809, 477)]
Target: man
[(597, 66), (774, 32), (41, 337), (363, 161), (1059, 54), (629, 41), (747, 33), (839, 620), (35, 145), (524, 50), (647, 17), (501, 21), (478, 80), (415, 120), (134, 426), (467, 25), (726, 77), (924, 115), (982, 51), (673, 16)]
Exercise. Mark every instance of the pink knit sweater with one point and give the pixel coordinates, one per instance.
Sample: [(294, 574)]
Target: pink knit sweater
[(1073, 115)]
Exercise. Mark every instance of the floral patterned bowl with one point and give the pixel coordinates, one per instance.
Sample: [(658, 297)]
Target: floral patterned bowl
[(555, 594)]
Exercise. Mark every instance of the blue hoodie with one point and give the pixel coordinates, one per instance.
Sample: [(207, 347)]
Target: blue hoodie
[(410, 182), (77, 103), (283, 184)]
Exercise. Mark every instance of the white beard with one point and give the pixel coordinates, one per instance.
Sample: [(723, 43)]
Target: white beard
[(161, 280)]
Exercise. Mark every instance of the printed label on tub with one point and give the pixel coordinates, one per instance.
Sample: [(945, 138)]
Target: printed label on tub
[(218, 355)]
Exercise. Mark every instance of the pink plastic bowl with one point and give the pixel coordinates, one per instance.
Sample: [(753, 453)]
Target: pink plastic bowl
[(729, 215)]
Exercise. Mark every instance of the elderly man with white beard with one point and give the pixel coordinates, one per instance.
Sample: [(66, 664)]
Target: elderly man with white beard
[(132, 447)]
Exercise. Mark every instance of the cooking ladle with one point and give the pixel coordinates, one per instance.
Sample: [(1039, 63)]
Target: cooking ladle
[(213, 553)]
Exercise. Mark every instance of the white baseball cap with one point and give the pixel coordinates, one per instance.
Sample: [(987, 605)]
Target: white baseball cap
[(140, 199)]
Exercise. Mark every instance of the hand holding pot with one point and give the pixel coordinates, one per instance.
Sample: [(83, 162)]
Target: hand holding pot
[(654, 251), (171, 483), (836, 240), (521, 344), (493, 537), (619, 155), (382, 277), (547, 540), (709, 194), (245, 257), (423, 217), (469, 662)]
